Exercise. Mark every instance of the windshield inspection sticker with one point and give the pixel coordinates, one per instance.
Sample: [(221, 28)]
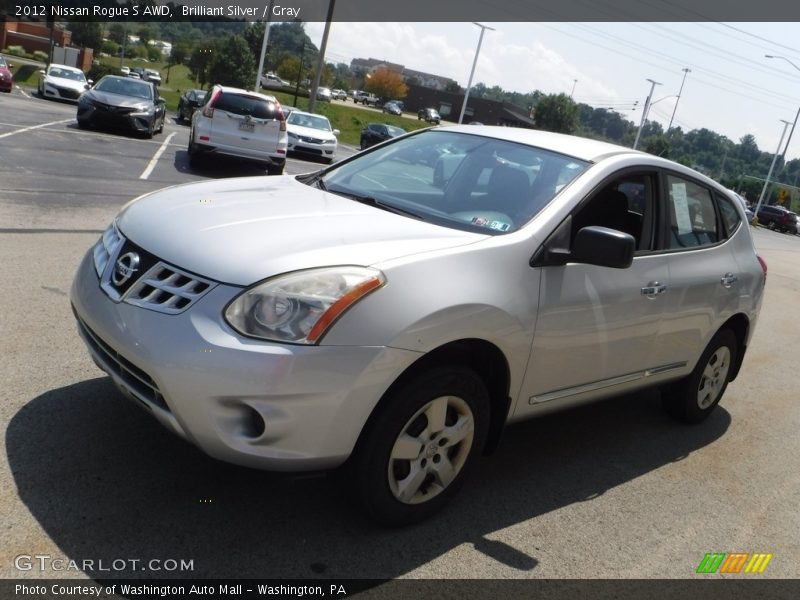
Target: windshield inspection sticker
[(499, 226)]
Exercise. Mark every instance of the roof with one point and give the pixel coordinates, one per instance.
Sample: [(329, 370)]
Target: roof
[(578, 147), (232, 90), (66, 68)]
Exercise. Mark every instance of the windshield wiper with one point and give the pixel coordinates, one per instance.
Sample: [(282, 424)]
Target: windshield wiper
[(374, 202)]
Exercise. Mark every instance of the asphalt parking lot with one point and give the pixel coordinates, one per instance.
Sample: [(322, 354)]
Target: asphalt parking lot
[(613, 490)]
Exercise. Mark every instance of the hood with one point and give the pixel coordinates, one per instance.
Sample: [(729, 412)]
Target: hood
[(310, 132), (117, 99), (243, 230), (67, 83)]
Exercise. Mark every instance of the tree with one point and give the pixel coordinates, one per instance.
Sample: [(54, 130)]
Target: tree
[(88, 34), (289, 69), (145, 35), (200, 62), (386, 83), (116, 33), (232, 63), (453, 87), (658, 145), (556, 112)]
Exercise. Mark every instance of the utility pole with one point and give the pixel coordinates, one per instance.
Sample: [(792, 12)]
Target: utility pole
[(472, 72), (264, 47), (771, 168), (686, 71), (645, 111), (574, 83), (299, 73), (312, 99)]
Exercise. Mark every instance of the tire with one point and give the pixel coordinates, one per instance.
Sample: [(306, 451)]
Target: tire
[(406, 467), (194, 155), (693, 398), (274, 169), (771, 225), (83, 124), (161, 125), (150, 131)]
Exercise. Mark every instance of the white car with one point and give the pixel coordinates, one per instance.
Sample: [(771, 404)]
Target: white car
[(61, 82), (125, 70), (242, 124), (312, 135)]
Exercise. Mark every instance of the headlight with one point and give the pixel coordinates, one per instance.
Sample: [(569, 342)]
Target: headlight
[(294, 136), (299, 307), (105, 248)]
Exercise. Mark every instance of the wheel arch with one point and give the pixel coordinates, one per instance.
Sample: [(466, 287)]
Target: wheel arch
[(739, 324), (482, 357)]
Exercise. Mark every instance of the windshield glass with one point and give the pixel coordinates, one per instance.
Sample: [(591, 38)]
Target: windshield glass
[(395, 131), (67, 74), (312, 121), (125, 87), (458, 180), (2, 62)]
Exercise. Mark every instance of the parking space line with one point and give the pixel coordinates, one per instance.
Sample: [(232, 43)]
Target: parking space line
[(21, 91), (152, 164), (24, 129)]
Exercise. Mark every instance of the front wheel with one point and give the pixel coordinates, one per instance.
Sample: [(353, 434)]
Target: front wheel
[(693, 398), (274, 169), (423, 441), (771, 225)]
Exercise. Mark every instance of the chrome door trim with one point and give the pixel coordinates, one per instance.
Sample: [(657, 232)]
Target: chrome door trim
[(605, 383)]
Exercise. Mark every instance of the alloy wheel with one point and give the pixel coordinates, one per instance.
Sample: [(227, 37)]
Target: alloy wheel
[(714, 377)]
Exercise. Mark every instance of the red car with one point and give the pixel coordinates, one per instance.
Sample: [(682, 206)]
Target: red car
[(6, 80)]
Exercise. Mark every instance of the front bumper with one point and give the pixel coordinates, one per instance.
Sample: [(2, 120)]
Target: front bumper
[(265, 405), (121, 118)]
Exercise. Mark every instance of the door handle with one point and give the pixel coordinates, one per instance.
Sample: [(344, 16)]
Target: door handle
[(653, 289), (728, 280)]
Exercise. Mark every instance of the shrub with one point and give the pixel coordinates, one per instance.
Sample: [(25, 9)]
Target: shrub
[(14, 51), (40, 56)]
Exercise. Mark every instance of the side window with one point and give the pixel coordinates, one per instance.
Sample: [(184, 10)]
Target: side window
[(625, 204), (691, 214), (730, 216)]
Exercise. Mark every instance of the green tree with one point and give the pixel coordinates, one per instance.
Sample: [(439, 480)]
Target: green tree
[(453, 87), (556, 112), (232, 63), (88, 34), (145, 35), (200, 62), (116, 33), (658, 145)]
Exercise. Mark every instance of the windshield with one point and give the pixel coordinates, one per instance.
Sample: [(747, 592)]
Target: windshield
[(67, 74), (2, 62), (395, 131), (312, 121), (458, 180), (125, 87)]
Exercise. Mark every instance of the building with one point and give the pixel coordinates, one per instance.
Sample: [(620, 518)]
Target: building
[(33, 36), (482, 110), (429, 80)]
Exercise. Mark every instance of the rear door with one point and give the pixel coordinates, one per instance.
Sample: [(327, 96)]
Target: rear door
[(247, 122)]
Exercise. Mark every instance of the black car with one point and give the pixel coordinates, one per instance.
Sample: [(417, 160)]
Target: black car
[(429, 114), (116, 101), (777, 217), (375, 133), (189, 102)]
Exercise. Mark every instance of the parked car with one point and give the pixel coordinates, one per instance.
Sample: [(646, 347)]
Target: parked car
[(324, 94), (139, 72), (134, 75), (125, 71), (123, 102), (366, 98), (375, 133), (340, 95), (399, 103), (152, 76), (749, 215), (361, 314), (6, 78), (312, 135), (777, 217), (392, 108), (235, 122), (271, 80), (431, 115), (61, 82), (190, 101)]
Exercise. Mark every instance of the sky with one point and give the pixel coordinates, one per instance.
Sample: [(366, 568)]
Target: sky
[(732, 88)]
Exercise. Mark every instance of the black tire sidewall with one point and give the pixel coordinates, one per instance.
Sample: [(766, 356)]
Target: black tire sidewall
[(396, 409), (681, 399)]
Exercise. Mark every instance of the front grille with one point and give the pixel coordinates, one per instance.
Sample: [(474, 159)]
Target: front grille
[(105, 248), (167, 289), (115, 110), (310, 140), (138, 383), (65, 92)]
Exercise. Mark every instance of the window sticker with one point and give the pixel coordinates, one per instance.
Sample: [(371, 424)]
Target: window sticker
[(681, 204)]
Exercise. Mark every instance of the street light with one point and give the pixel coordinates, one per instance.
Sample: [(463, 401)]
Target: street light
[(786, 147), (771, 167), (472, 72), (686, 71), (575, 82), (645, 111)]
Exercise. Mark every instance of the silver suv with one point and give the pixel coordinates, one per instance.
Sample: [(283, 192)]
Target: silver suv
[(241, 124), (393, 312)]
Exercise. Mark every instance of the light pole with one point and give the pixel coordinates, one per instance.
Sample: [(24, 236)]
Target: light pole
[(472, 72), (645, 111), (771, 167), (786, 147), (263, 47), (312, 97), (575, 82), (686, 71)]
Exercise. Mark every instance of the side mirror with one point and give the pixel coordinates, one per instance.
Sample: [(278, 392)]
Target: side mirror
[(603, 247), (336, 132), (41, 71), (90, 81)]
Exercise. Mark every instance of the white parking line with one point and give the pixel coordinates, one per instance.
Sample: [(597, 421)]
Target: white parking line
[(21, 91), (152, 164), (24, 129)]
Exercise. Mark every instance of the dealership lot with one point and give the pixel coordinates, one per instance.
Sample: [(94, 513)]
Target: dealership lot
[(611, 490)]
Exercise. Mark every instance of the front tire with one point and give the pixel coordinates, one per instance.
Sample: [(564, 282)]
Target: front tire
[(425, 437), (693, 398)]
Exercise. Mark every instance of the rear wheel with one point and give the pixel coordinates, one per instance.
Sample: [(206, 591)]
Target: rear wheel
[(771, 225), (417, 451), (692, 399), (194, 154), (274, 169)]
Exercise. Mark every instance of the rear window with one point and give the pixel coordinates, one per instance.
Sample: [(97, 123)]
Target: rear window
[(241, 104)]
